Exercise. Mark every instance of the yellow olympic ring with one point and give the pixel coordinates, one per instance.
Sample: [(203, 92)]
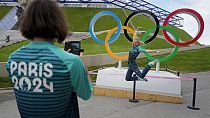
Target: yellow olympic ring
[(107, 44)]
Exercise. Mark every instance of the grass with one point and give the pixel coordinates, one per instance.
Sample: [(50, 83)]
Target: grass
[(84, 16), (79, 19), (5, 82), (4, 10), (185, 62), (120, 45), (6, 51)]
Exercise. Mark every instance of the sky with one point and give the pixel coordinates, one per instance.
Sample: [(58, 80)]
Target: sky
[(190, 24)]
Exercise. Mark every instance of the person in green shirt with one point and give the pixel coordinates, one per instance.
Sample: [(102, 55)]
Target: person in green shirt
[(46, 78)]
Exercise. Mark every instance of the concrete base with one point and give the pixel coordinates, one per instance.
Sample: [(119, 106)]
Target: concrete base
[(111, 82)]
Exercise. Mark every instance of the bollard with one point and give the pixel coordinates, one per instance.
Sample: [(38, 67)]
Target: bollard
[(134, 100), (158, 66), (194, 96), (120, 64), (178, 73)]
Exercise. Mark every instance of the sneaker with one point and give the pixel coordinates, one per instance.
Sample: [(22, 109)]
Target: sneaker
[(142, 79), (135, 77), (152, 63)]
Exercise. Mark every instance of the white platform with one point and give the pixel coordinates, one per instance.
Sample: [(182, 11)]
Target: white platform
[(115, 78)]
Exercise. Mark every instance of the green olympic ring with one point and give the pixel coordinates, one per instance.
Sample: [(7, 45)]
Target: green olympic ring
[(172, 54)]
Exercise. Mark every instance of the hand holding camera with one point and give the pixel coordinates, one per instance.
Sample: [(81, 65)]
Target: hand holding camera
[(73, 47)]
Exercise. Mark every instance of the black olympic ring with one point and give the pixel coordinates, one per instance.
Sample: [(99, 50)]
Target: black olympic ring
[(151, 16)]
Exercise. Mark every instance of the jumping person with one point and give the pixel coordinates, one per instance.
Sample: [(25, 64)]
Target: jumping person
[(132, 65), (46, 77)]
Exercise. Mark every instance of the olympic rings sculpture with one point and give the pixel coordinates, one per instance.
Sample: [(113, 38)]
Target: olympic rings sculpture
[(109, 38)]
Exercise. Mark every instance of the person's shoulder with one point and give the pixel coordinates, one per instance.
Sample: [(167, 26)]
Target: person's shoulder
[(140, 48), (71, 60), (67, 54), (19, 49), (64, 55)]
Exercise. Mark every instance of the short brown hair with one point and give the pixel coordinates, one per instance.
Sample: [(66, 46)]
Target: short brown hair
[(44, 19)]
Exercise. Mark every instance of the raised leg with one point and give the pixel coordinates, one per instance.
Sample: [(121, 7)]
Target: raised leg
[(143, 73), (129, 75)]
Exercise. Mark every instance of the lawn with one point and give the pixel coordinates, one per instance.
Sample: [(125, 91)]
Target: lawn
[(4, 10), (190, 61), (120, 45), (5, 82), (84, 16), (185, 62)]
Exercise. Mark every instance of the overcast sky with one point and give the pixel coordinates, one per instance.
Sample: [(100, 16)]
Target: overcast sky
[(190, 25)]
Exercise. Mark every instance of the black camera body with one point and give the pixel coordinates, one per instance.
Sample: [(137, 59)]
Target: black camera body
[(73, 47)]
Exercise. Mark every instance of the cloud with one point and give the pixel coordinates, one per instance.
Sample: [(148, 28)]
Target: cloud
[(201, 6), (203, 9)]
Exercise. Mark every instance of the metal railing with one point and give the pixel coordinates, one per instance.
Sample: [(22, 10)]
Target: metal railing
[(133, 5)]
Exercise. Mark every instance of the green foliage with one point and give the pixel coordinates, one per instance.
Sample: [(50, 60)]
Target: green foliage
[(5, 82), (78, 21), (79, 18), (83, 17), (4, 10), (6, 51), (120, 45), (189, 61), (184, 36)]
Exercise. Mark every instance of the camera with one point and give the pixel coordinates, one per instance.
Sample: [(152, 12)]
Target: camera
[(73, 47)]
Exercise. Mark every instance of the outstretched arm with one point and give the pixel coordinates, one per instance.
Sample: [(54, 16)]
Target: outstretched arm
[(152, 51), (135, 34)]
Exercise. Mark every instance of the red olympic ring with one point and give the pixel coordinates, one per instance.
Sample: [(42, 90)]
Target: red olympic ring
[(196, 15)]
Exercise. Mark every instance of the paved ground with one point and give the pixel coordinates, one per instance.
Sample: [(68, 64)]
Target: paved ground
[(15, 36), (108, 107)]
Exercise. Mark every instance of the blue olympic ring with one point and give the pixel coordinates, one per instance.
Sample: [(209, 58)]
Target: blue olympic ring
[(96, 17)]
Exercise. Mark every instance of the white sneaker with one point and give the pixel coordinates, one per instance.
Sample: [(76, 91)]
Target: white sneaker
[(137, 78), (142, 79), (152, 63)]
